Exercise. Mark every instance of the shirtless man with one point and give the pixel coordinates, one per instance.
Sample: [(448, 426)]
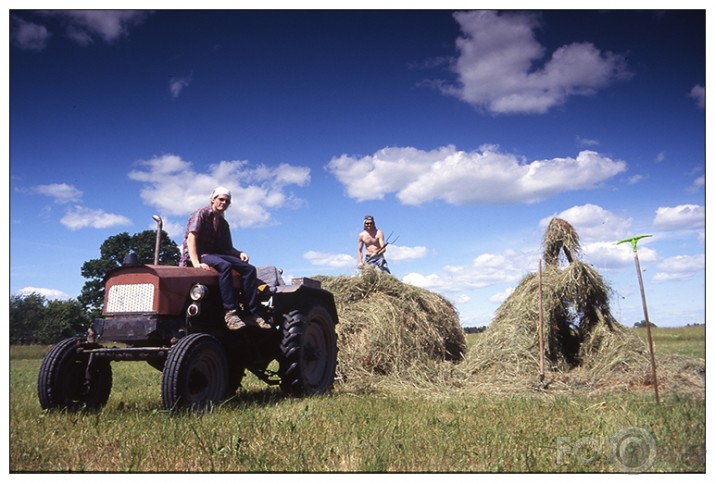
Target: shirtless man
[(374, 242)]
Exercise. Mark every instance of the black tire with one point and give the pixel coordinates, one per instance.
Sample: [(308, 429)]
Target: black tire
[(308, 352), (63, 383), (195, 374)]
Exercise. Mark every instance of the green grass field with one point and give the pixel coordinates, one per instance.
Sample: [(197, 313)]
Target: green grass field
[(347, 431), (687, 341)]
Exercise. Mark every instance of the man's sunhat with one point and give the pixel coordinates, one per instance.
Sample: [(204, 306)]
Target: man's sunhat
[(220, 191)]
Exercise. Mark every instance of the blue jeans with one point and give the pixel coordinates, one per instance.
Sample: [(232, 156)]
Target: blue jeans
[(224, 264), (379, 261)]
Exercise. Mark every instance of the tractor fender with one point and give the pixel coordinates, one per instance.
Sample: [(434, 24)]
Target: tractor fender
[(302, 297)]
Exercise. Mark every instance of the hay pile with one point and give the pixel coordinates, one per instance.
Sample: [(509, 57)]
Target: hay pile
[(579, 332), (390, 329), (584, 346)]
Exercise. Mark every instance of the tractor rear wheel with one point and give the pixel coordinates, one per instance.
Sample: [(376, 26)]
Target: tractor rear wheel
[(195, 374), (308, 351), (67, 379)]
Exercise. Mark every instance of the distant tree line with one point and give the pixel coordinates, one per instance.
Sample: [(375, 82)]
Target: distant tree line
[(36, 320), (474, 330), (641, 324)]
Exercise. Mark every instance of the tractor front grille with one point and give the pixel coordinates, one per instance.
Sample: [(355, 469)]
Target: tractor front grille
[(137, 297)]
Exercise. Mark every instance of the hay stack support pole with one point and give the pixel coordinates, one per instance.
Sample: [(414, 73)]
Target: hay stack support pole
[(541, 331), (634, 241)]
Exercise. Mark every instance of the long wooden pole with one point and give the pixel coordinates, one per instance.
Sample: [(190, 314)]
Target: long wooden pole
[(634, 242), (541, 331), (647, 328)]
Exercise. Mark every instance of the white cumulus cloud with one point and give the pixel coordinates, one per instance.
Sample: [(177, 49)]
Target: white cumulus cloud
[(487, 176), (681, 267), (28, 35), (83, 217), (175, 188), (334, 260), (85, 26), (59, 192), (594, 223), (681, 217), (599, 232), (48, 293), (500, 297), (609, 255), (485, 270), (403, 253), (497, 64)]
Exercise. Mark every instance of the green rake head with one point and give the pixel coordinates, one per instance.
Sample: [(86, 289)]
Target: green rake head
[(633, 241)]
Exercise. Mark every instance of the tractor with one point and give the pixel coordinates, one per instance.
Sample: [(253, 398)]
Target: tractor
[(172, 318)]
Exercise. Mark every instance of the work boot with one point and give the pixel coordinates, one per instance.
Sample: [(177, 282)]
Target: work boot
[(257, 320), (233, 321)]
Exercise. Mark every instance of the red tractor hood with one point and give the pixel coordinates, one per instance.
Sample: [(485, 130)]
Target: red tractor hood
[(169, 284)]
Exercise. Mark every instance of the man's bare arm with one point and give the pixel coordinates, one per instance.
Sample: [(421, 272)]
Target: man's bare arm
[(381, 239), (360, 245)]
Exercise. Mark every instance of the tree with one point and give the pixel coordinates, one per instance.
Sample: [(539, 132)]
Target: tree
[(34, 320), (112, 253), (26, 313), (63, 319)]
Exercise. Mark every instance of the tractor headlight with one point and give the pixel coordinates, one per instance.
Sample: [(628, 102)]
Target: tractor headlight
[(193, 310), (198, 292)]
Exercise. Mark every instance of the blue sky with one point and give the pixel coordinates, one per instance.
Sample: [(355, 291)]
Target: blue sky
[(461, 132)]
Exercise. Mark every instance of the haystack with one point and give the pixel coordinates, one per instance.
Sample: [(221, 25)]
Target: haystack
[(583, 343), (393, 329)]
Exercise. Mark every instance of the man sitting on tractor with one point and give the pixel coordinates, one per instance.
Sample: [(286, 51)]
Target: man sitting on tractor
[(208, 245)]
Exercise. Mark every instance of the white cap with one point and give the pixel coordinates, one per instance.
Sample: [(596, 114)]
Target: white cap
[(220, 191)]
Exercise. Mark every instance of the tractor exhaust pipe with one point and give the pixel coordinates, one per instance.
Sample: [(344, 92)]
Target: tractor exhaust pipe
[(159, 226)]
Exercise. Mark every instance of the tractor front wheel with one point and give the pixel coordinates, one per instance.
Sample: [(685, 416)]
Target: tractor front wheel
[(69, 379), (195, 374)]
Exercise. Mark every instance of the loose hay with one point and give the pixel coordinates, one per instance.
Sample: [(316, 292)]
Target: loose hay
[(560, 238), (390, 329)]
